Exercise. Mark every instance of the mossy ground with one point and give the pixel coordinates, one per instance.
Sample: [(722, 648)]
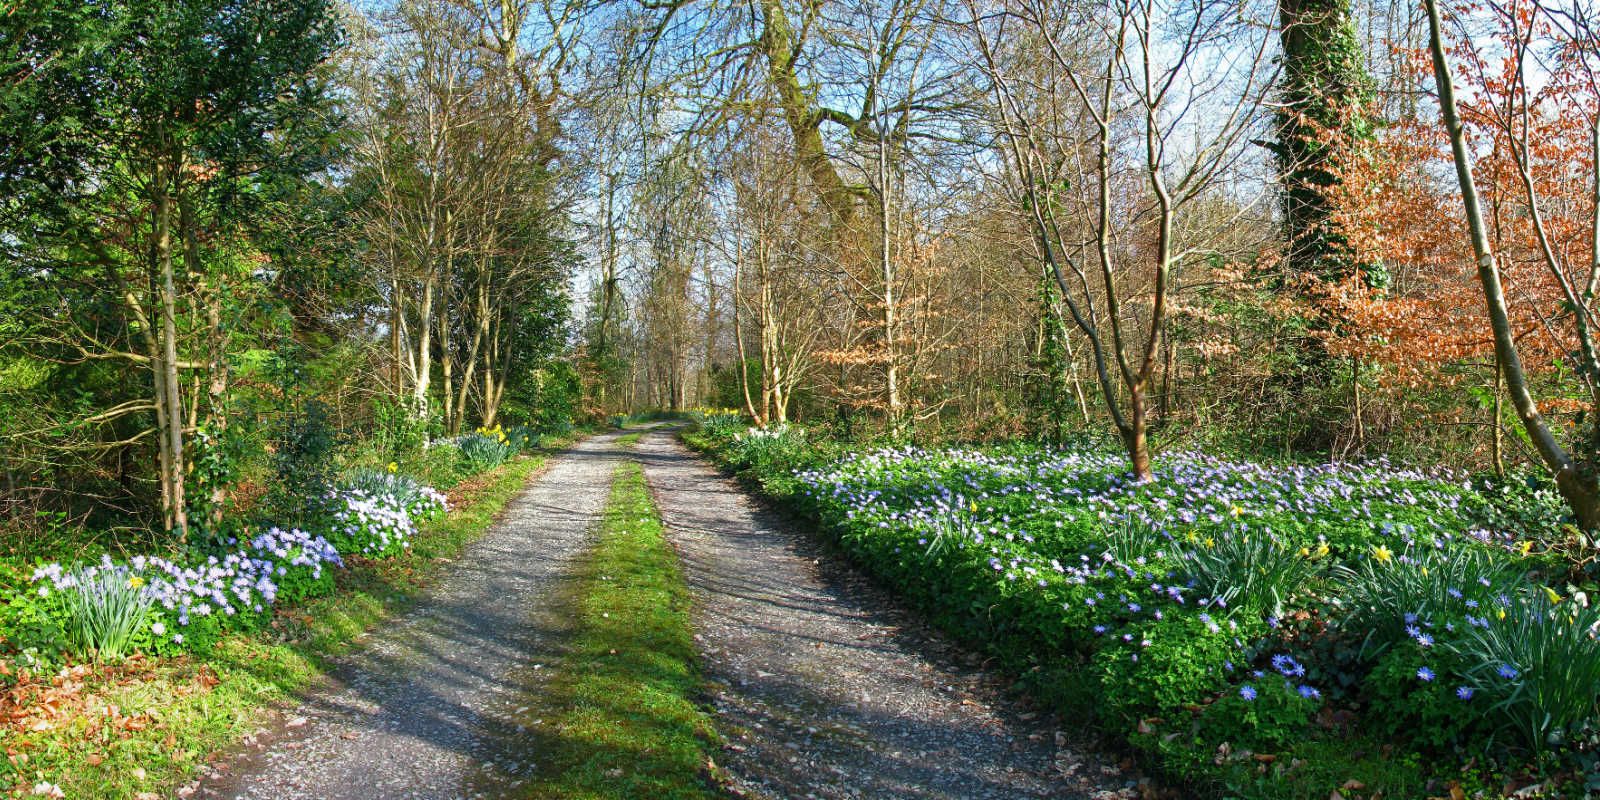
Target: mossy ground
[(626, 724)]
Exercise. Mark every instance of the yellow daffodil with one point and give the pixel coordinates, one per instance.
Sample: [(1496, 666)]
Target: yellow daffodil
[(1237, 511), (135, 582), (1383, 554), (1305, 552), (1210, 542), (1551, 593), (1524, 547), (1322, 549), (393, 467), (1500, 613)]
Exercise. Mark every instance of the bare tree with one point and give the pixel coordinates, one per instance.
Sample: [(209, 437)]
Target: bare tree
[(1111, 137)]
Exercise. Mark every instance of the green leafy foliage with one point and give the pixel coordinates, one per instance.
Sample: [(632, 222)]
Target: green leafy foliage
[(1251, 570), (103, 610), (1223, 609), (1267, 714)]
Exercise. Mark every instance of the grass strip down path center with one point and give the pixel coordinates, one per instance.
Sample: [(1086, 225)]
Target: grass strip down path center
[(624, 722)]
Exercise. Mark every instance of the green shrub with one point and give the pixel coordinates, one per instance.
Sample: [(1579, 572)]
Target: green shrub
[(1157, 666), (1262, 714), (1431, 713), (440, 465), (305, 445), (30, 623), (398, 432)]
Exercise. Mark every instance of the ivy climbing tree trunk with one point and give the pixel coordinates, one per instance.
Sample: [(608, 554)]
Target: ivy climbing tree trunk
[(1324, 94), (1321, 118)]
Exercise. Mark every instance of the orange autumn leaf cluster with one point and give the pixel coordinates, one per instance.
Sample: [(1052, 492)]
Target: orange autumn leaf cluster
[(1399, 205), (38, 704)]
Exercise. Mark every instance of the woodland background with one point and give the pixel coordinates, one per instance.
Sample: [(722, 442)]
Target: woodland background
[(244, 238)]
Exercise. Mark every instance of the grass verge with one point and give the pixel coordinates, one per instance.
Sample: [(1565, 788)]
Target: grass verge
[(140, 730), (625, 723)]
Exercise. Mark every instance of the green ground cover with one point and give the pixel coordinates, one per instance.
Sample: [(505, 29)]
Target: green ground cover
[(626, 724), (95, 726), (1254, 630)]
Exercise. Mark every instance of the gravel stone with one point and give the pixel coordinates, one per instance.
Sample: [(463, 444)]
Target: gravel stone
[(431, 705), (824, 687)]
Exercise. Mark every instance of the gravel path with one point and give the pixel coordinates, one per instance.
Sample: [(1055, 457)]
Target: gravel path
[(429, 707), (823, 689)]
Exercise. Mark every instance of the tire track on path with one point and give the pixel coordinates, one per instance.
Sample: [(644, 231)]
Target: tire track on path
[(430, 706), (822, 687)]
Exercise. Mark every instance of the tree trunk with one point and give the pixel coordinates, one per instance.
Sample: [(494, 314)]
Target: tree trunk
[(891, 354), (167, 294), (1577, 485), (738, 331), (1497, 431), (1135, 435), (216, 412), (777, 44), (1355, 404), (424, 351)]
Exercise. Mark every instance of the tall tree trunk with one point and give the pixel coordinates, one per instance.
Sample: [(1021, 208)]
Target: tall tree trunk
[(217, 370), (891, 355), (167, 296), (1497, 431), (1577, 485), (738, 331), (777, 44), (424, 348)]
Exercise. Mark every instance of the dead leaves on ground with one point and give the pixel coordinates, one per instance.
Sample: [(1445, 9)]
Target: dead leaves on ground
[(76, 708)]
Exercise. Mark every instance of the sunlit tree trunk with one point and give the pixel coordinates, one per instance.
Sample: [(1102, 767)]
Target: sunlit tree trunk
[(1576, 485), (171, 417)]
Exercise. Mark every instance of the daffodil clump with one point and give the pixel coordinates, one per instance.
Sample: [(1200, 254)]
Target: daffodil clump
[(1225, 602), (485, 448), (497, 433), (718, 422)]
